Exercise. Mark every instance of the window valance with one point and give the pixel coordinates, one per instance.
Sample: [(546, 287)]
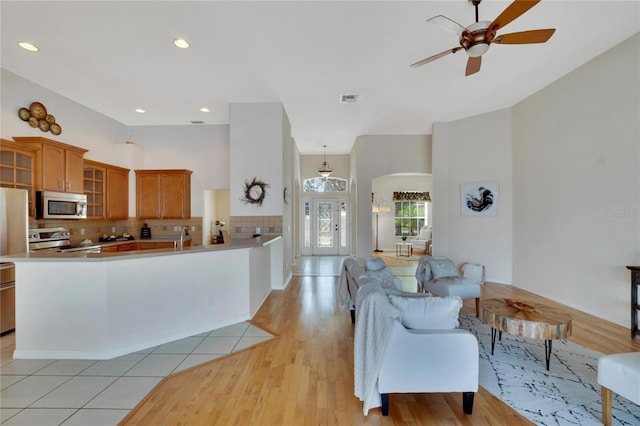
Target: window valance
[(411, 196)]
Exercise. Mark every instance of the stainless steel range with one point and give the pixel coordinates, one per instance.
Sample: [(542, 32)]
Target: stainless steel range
[(56, 239)]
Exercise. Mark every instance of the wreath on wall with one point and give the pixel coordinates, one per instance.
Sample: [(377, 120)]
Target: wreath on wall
[(255, 191)]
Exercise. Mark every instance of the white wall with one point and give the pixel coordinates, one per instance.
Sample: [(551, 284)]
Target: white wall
[(204, 149), (257, 138), (81, 126), (201, 148), (374, 156), (474, 149), (309, 165), (383, 188), (576, 185), (261, 147)]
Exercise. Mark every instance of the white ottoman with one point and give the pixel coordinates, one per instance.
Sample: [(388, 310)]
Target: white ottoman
[(619, 373)]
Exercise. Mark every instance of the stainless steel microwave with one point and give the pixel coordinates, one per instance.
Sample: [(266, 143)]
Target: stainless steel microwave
[(60, 205)]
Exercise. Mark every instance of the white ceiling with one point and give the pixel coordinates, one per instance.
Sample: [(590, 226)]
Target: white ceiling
[(115, 56)]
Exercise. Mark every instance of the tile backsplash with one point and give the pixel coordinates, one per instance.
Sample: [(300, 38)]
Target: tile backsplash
[(93, 229), (245, 226)]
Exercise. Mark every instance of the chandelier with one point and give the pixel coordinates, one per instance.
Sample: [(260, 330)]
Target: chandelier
[(325, 170)]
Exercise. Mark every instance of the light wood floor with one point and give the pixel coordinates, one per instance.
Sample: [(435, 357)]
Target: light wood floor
[(305, 376)]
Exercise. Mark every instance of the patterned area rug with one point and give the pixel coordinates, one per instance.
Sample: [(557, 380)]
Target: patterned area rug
[(567, 394)]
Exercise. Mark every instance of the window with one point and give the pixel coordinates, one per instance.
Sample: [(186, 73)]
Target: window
[(410, 216), (320, 184)]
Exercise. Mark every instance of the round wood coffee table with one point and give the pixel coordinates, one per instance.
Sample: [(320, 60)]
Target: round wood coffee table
[(525, 319)]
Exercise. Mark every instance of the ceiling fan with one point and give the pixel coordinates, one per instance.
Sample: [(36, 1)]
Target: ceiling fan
[(477, 37)]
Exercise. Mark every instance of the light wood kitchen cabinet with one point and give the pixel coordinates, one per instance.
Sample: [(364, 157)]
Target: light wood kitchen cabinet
[(58, 166), (149, 245), (107, 190), (119, 247), (127, 247), (117, 193), (163, 194), (94, 189), (17, 163)]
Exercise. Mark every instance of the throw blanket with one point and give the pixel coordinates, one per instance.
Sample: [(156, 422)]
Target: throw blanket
[(343, 286), (374, 319)]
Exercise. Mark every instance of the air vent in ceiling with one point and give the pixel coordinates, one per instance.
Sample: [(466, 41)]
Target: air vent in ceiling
[(348, 99), (197, 122)]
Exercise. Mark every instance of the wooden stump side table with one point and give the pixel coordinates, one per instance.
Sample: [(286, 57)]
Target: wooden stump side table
[(524, 319)]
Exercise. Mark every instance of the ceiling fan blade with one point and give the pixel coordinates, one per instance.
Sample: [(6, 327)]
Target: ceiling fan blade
[(513, 11), (434, 57), (447, 24), (473, 65), (525, 37)]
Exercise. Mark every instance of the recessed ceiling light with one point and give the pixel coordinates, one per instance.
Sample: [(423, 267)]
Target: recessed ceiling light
[(204, 109), (181, 43), (28, 46), (140, 110), (348, 99)]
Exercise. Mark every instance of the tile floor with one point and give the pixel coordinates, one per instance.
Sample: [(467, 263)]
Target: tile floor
[(88, 392)]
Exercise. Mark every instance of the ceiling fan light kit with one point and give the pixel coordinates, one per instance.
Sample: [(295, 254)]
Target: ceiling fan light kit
[(476, 38)]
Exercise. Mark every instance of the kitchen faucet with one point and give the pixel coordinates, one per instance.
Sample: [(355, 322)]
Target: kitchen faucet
[(184, 232)]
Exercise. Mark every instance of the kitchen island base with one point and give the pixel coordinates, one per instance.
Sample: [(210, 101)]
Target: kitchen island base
[(83, 309)]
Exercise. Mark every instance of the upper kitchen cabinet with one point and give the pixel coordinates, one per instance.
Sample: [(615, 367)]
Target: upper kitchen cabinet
[(163, 194), (107, 190), (17, 163), (59, 167)]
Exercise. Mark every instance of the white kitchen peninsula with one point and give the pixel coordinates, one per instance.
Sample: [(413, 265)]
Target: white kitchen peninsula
[(103, 305)]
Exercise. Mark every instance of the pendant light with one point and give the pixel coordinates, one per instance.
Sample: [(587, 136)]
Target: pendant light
[(325, 170)]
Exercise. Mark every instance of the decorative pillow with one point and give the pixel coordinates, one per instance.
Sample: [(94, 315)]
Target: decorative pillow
[(428, 313), (443, 268), (384, 277), (374, 264)]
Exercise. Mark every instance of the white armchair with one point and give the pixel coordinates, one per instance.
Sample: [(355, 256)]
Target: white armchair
[(423, 240), (437, 361), (411, 344)]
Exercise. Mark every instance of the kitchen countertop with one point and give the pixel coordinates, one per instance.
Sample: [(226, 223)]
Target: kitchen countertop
[(47, 256)]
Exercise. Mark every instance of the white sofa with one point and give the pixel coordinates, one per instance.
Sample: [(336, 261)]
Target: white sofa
[(423, 240), (354, 274), (390, 357)]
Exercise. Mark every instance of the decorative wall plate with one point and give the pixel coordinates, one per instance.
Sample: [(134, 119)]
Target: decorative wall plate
[(36, 115), (24, 114), (38, 110), (55, 128)]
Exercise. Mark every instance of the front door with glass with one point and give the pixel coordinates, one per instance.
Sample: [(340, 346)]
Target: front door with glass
[(325, 227)]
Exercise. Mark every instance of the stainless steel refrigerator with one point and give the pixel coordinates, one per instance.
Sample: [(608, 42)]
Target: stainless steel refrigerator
[(14, 226)]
